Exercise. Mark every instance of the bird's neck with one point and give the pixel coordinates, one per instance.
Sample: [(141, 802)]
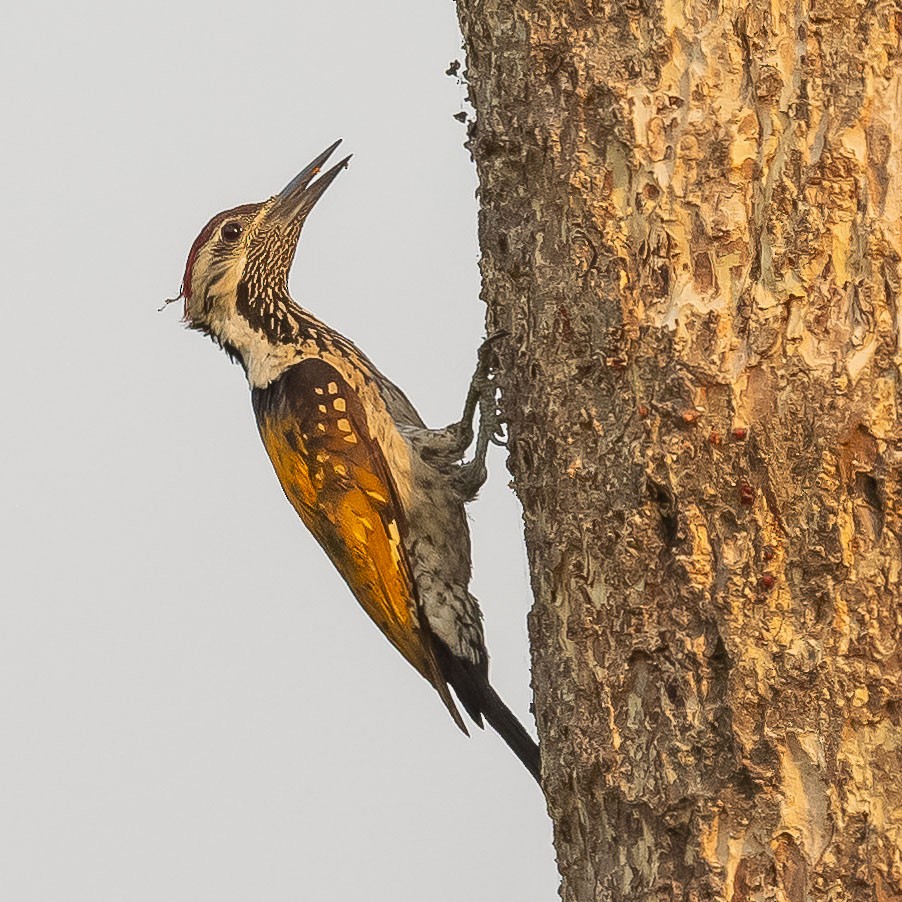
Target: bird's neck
[(260, 328), (267, 332)]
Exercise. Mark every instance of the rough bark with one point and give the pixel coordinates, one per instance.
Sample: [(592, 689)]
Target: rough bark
[(691, 228)]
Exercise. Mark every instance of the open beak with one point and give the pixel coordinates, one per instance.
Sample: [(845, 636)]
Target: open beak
[(297, 198)]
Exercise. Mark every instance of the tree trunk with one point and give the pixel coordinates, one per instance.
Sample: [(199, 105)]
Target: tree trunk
[(691, 228)]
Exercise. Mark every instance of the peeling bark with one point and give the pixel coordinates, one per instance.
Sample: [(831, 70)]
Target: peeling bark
[(691, 228)]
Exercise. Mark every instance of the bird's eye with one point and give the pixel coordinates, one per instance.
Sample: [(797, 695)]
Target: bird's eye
[(231, 232)]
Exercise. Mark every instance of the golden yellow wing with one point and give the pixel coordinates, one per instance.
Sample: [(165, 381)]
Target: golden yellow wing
[(335, 475)]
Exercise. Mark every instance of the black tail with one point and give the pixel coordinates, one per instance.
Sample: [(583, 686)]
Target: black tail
[(471, 685), (506, 725)]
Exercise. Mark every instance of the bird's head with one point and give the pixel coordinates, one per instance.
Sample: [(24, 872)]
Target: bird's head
[(250, 249)]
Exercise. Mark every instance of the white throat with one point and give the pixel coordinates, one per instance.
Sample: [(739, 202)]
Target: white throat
[(263, 360)]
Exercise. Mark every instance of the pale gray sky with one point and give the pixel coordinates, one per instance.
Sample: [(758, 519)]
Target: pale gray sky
[(192, 705)]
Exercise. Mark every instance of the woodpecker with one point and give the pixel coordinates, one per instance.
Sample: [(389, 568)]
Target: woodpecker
[(382, 494)]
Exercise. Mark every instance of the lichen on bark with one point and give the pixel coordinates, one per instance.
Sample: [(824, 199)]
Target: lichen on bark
[(691, 228)]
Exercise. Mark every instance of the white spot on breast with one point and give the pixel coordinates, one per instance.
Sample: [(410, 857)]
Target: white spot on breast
[(332, 388), (339, 404), (344, 425)]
